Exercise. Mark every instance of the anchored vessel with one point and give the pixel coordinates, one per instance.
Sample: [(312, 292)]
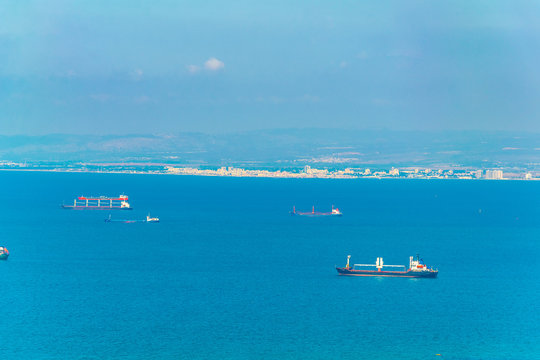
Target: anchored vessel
[(100, 203), (417, 269), (128, 221), (334, 212), (4, 253), (125, 221)]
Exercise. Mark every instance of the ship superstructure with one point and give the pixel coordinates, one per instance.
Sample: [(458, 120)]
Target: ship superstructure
[(416, 269), (4, 253), (100, 203)]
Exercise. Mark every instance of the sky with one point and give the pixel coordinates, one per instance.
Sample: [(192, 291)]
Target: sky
[(113, 67)]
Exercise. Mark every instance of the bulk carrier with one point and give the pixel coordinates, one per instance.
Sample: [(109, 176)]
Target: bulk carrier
[(100, 203), (417, 269)]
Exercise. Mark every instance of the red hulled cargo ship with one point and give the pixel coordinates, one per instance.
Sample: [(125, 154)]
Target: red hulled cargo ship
[(100, 203), (417, 269)]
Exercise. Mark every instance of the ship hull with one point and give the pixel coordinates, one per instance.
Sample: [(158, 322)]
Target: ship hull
[(4, 256), (71, 207), (408, 274), (314, 214)]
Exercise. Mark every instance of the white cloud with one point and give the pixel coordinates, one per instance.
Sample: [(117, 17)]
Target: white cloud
[(214, 64), (70, 74), (380, 102), (343, 64), (143, 99), (137, 74), (270, 99), (193, 68), (310, 98), (404, 53), (362, 55), (101, 97)]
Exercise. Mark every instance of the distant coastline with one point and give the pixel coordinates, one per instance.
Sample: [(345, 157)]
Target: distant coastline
[(305, 173)]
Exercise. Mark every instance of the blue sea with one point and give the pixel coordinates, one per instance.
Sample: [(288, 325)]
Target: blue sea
[(229, 274)]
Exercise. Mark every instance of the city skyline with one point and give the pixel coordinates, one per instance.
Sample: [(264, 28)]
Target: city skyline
[(305, 172)]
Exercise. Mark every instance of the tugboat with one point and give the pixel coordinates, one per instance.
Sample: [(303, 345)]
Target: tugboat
[(4, 253), (334, 212), (417, 269), (127, 221)]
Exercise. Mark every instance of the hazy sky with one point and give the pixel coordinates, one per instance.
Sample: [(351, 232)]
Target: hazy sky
[(213, 66)]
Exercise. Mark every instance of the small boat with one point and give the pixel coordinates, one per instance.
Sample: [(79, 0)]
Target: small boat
[(417, 269), (128, 221), (4, 253), (334, 212)]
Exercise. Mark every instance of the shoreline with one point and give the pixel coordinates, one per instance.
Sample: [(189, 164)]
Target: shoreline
[(327, 177)]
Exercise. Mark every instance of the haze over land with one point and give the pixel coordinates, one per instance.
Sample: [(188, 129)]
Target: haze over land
[(287, 148)]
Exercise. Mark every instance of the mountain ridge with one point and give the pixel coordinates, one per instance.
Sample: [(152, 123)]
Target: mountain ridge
[(294, 147)]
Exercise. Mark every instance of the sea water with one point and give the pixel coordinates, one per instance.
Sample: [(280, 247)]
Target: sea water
[(228, 273)]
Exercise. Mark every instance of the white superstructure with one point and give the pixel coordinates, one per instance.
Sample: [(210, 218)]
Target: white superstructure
[(417, 265)]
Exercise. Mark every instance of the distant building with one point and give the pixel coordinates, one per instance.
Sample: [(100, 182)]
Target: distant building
[(394, 172), (528, 176), (173, 170), (494, 174), (308, 170), (477, 174), (222, 171), (367, 172)]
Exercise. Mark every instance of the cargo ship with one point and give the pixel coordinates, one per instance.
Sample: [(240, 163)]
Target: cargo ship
[(4, 253), (100, 203), (417, 269), (334, 212)]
